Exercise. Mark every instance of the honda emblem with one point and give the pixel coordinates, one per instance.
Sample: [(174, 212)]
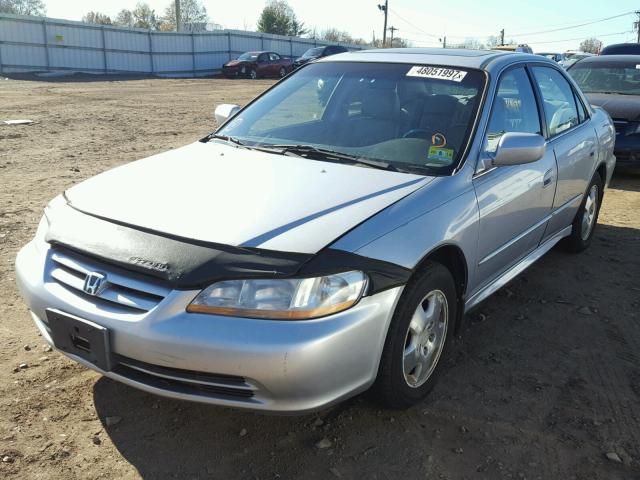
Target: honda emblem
[(94, 283)]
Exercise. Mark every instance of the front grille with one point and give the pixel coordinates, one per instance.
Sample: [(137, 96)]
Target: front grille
[(126, 290), (185, 381)]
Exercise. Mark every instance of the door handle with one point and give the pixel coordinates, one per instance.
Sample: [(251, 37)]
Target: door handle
[(548, 178)]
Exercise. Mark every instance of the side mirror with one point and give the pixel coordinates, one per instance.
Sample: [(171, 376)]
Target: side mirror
[(225, 111), (515, 148)]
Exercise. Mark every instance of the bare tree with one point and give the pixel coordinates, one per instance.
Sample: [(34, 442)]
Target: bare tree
[(591, 45), (145, 17), (23, 7), (191, 11), (97, 18), (124, 18)]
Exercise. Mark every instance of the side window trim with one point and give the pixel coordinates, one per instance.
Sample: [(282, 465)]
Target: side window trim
[(544, 113), (539, 103), (504, 73)]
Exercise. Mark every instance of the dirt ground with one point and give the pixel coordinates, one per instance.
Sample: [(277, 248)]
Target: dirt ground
[(544, 383)]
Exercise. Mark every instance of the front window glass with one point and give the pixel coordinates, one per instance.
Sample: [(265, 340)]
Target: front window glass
[(559, 105), (248, 57), (514, 109), (415, 118), (608, 77), (313, 52)]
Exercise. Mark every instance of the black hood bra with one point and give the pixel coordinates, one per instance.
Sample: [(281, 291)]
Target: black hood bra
[(187, 264)]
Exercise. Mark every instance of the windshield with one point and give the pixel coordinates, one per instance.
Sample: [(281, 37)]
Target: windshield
[(414, 118), (249, 57), (607, 77), (313, 52)]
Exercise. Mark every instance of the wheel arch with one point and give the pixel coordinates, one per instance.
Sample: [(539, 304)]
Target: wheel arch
[(453, 259)]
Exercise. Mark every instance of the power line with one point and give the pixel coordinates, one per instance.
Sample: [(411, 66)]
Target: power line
[(571, 27), (413, 25), (580, 38)]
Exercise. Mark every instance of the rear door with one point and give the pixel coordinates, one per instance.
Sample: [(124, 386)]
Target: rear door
[(276, 63), (572, 139), (514, 201)]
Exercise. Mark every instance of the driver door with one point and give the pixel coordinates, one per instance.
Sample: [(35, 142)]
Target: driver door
[(514, 201)]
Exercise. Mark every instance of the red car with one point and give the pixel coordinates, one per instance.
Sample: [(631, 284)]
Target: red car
[(258, 64)]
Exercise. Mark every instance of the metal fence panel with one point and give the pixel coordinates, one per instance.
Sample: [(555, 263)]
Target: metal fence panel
[(171, 42), (17, 55), (128, 62), (28, 32), (73, 58), (45, 44), (69, 35)]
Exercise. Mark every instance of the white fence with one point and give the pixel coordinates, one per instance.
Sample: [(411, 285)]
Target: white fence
[(40, 44)]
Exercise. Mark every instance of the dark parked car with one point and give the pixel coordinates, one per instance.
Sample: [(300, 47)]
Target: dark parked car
[(318, 52), (555, 56), (621, 49), (613, 83), (258, 64)]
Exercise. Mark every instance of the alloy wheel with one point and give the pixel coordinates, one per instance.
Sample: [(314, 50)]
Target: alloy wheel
[(425, 338), (589, 214)]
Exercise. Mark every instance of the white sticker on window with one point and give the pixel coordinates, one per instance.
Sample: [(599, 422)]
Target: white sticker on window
[(440, 73), (637, 67)]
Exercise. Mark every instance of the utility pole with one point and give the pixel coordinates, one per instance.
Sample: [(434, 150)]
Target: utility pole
[(392, 29), (384, 8), (637, 24), (444, 42), (177, 15), (502, 37)]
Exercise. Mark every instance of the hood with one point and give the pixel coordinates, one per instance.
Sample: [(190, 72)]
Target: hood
[(619, 107), (233, 63), (217, 193)]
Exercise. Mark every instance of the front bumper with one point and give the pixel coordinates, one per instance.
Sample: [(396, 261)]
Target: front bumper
[(234, 71), (627, 149), (280, 366)]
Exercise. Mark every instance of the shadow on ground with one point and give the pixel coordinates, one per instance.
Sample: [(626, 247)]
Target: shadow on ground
[(545, 382)]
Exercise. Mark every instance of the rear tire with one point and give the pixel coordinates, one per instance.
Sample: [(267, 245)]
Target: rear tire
[(282, 72), (419, 338), (585, 221)]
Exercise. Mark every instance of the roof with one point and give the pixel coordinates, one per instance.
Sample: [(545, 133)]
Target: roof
[(479, 59), (611, 58)]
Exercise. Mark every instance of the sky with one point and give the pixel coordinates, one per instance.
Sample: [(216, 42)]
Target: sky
[(422, 22)]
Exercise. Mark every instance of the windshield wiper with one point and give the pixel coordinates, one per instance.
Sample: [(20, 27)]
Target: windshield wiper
[(315, 153), (226, 138)]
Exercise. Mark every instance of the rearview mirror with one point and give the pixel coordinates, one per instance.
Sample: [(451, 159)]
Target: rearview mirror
[(225, 111), (515, 148)]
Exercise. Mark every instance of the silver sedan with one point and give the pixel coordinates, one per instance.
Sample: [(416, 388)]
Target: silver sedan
[(329, 237)]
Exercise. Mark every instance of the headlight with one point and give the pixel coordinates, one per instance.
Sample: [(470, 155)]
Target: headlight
[(283, 299)]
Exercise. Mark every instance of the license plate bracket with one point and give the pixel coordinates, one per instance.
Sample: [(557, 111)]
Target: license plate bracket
[(80, 337)]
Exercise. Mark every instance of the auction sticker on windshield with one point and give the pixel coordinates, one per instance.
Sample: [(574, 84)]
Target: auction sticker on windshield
[(439, 73)]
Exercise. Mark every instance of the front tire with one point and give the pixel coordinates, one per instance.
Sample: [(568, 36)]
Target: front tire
[(585, 221), (253, 74), (418, 339)]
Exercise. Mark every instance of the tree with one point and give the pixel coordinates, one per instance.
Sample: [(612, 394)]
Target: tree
[(144, 17), (471, 44), (191, 11), (333, 35), (97, 18), (591, 45), (124, 18), (23, 7), (278, 18)]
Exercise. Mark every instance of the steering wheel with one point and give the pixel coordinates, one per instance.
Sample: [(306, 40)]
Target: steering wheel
[(417, 133)]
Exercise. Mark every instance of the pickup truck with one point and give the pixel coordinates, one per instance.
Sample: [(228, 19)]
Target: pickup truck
[(258, 65)]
